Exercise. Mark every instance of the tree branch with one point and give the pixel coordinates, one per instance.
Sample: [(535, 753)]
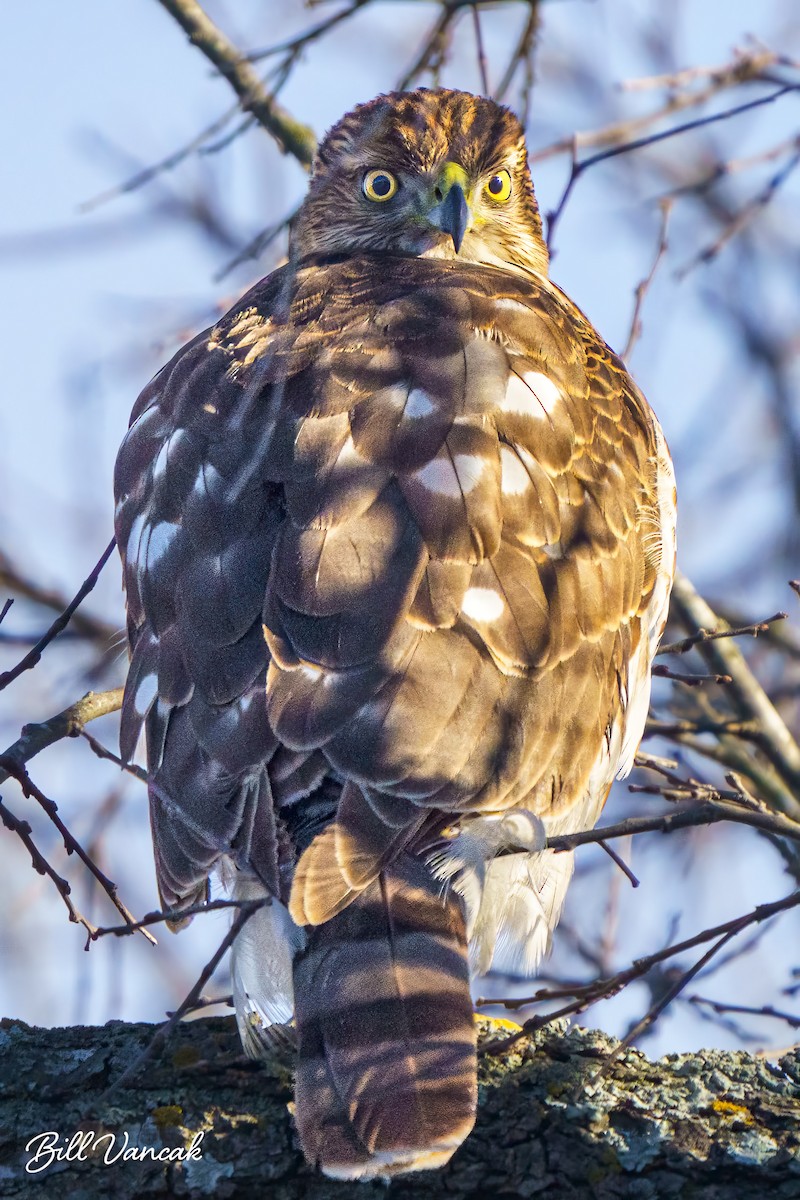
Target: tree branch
[(69, 723), (291, 135), (690, 1125), (748, 697)]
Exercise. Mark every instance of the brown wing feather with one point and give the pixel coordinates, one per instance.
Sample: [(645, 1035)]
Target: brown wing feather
[(428, 483)]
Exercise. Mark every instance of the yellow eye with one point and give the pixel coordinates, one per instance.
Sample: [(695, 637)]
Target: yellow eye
[(498, 188), (379, 186)]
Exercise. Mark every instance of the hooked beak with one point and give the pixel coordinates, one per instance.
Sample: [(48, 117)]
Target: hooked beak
[(452, 215), (455, 215)]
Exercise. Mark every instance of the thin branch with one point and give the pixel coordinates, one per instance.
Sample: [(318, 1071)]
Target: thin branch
[(69, 723), (190, 1001), (71, 845), (752, 68), (689, 680), (432, 54), (580, 167), (523, 53), (483, 66), (134, 182), (82, 623), (780, 634), (643, 287), (291, 135), (34, 655), (709, 811), (710, 635), (256, 246), (692, 727), (206, 1002), (620, 862), (167, 914), (746, 67), (40, 864), (103, 752), (732, 752), (739, 220), (303, 40), (745, 692), (766, 1010), (602, 989), (655, 1011)]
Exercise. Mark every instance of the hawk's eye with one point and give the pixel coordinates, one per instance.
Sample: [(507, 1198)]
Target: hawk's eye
[(498, 187), (379, 185)]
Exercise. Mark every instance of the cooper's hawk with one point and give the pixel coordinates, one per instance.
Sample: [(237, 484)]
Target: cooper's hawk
[(398, 542)]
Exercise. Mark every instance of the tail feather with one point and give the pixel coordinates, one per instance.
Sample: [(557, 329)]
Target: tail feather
[(386, 1074)]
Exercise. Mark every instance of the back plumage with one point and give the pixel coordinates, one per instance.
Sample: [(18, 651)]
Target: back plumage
[(398, 539)]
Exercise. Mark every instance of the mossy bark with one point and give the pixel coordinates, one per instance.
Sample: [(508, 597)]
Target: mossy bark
[(721, 1126)]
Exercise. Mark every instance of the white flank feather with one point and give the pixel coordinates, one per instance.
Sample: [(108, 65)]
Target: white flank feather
[(261, 971)]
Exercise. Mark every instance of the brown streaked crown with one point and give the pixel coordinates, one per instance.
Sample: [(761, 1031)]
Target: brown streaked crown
[(414, 135)]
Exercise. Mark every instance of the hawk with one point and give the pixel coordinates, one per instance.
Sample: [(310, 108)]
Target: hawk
[(398, 537)]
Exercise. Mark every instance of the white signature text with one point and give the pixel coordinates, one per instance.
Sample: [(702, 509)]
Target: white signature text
[(47, 1148)]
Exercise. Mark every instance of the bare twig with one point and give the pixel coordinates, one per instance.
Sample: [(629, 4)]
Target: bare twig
[(746, 214), (710, 635), (40, 864), (303, 40), (483, 66), (643, 287), (103, 752), (206, 1002), (745, 692), (434, 48), (165, 164), (748, 68), (689, 680), (713, 808), (523, 52), (61, 622), (693, 727), (256, 246), (291, 135), (12, 579), (167, 914), (69, 723), (580, 167), (656, 1009), (71, 845), (190, 1001), (602, 989), (765, 1010), (620, 862)]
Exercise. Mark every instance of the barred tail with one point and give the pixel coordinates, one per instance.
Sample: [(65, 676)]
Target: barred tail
[(386, 1074)]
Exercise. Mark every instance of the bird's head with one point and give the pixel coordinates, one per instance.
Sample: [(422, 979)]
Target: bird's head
[(433, 173)]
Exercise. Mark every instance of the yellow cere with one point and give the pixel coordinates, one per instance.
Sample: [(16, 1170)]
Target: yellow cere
[(498, 188), (379, 186)]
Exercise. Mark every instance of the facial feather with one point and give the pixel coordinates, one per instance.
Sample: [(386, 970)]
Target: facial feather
[(414, 135)]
